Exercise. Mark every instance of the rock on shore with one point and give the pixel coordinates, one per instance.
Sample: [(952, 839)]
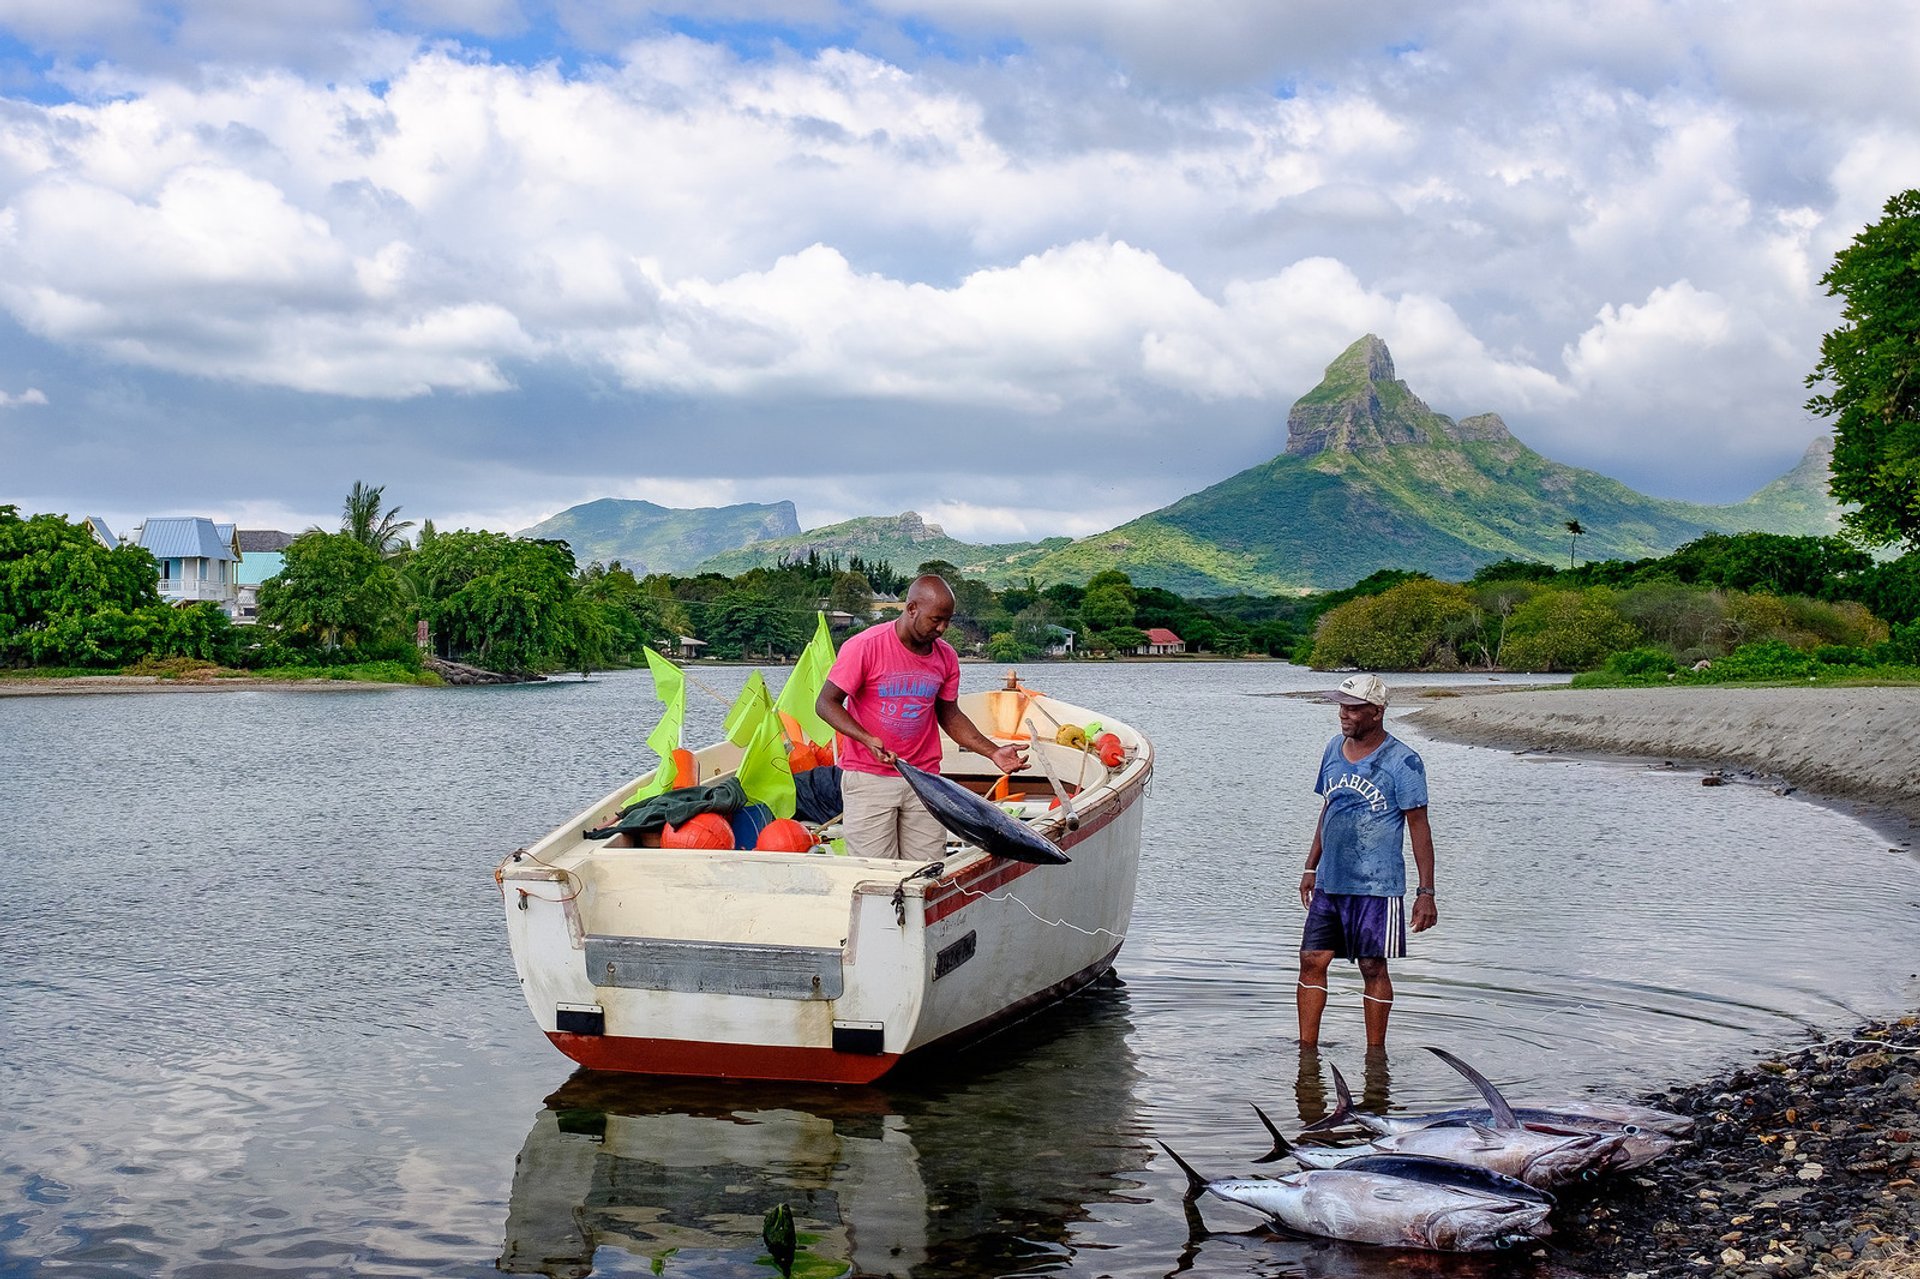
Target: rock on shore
[(1856, 744)]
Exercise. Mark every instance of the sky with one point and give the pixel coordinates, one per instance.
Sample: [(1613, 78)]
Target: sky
[(1028, 267)]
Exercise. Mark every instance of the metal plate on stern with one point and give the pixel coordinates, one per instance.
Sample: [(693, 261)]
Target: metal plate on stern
[(715, 968)]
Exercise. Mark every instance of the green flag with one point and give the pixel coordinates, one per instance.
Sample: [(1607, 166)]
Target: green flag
[(765, 775), (748, 709), (809, 677), (670, 686)]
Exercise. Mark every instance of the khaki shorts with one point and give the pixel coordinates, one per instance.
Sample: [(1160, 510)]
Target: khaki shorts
[(882, 817)]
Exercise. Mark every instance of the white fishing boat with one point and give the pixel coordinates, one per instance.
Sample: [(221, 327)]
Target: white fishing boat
[(816, 966)]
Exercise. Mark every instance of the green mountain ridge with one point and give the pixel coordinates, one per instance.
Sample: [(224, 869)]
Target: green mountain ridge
[(905, 541), (1373, 478), (648, 538)]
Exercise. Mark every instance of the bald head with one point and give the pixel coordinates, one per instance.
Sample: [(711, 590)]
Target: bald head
[(928, 589), (929, 610)]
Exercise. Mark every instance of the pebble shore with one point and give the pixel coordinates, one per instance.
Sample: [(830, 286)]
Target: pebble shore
[(1802, 1163)]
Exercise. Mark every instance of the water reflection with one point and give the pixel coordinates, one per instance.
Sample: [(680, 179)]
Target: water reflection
[(1314, 1098), (986, 1165)]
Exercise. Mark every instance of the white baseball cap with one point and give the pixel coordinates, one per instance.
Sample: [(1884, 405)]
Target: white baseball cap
[(1359, 690)]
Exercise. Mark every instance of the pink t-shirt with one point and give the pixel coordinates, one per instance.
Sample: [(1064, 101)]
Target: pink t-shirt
[(891, 690)]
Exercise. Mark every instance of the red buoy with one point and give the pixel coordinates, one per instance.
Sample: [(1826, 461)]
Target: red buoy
[(784, 835), (702, 830)]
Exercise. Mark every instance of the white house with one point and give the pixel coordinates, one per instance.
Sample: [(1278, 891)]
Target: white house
[(1059, 641), (199, 560)]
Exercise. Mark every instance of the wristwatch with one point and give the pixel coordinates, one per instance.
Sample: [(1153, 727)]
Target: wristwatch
[(1423, 892)]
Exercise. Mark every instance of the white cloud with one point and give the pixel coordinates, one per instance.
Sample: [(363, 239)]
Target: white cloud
[(1098, 220), (32, 395)]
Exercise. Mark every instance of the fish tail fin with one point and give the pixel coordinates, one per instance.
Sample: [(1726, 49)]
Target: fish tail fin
[(1195, 1182), (1280, 1147), (1342, 1110), (1502, 1112)]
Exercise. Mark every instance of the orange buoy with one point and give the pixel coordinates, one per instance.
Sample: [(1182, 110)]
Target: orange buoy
[(702, 830), (801, 758), (1112, 753), (686, 771), (784, 835), (823, 754)]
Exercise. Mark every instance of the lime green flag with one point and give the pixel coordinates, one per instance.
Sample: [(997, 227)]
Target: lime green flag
[(809, 677), (765, 775), (748, 709), (670, 686)]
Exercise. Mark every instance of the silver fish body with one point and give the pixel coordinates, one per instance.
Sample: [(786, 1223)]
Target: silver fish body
[(1389, 1211), (1540, 1159), (1638, 1146)]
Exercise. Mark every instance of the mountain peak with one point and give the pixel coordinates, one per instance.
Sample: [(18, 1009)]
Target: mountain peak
[(1360, 407)]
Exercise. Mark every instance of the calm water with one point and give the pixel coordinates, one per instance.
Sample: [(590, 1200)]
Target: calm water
[(257, 1014)]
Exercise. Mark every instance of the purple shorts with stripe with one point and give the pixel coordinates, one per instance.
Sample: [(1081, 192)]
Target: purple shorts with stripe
[(1355, 927)]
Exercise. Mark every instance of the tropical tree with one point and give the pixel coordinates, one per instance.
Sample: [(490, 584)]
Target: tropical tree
[(381, 531), (1872, 365), (1574, 531), (505, 603), (336, 598)]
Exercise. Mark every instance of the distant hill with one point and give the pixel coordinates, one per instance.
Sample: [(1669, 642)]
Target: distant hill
[(661, 539), (905, 541), (1372, 478)]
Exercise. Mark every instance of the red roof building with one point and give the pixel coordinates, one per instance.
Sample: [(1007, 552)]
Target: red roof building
[(1161, 641)]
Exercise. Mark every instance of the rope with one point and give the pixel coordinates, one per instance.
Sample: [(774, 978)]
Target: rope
[(1050, 923)]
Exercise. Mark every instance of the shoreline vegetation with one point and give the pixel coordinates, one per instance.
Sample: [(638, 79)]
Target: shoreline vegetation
[(1802, 1162)]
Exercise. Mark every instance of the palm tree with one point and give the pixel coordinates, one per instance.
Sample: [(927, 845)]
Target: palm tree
[(368, 525), (1572, 526)]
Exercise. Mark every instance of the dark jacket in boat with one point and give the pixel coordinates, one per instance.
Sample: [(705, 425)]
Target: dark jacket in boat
[(816, 794), (675, 807)]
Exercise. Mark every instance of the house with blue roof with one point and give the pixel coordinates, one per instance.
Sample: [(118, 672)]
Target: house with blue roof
[(199, 560)]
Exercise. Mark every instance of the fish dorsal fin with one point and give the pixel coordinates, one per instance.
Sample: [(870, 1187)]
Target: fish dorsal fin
[(1502, 1112), (1343, 1106)]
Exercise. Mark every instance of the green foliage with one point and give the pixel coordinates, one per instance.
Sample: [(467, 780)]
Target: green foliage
[(1512, 570), (508, 604), (335, 599), (1416, 623), (54, 577), (392, 671), (1640, 663), (1872, 365), (1121, 639), (1566, 631), (744, 624), (1005, 646)]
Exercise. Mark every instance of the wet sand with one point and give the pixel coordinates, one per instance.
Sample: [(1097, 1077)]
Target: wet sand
[(1858, 746)]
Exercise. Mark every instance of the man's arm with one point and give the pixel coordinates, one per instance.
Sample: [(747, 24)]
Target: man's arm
[(831, 706), (1312, 872), (963, 731), (1425, 913)]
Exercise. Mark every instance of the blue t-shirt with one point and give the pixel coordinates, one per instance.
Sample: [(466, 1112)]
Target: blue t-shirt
[(1364, 823)]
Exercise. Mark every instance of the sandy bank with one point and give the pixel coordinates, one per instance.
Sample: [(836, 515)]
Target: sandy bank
[(1857, 745)]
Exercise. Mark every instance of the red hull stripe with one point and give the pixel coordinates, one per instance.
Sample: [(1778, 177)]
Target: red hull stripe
[(958, 891), (809, 1065), (722, 1061)]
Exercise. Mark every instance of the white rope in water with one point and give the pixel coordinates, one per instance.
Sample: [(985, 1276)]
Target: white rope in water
[(1375, 999), (1050, 923)]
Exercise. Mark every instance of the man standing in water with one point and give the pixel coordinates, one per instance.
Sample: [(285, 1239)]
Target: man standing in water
[(904, 680), (1374, 791)]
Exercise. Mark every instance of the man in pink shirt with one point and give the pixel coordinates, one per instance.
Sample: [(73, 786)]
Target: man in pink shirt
[(890, 692)]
